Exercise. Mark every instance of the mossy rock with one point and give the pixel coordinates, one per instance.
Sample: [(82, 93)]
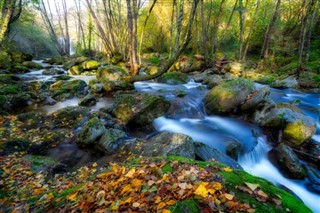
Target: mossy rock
[(5, 60), (19, 68), (56, 60), (227, 96), (9, 89), (110, 73), (113, 86), (174, 78), (70, 117), (32, 65), (75, 70), (39, 163), (139, 109), (73, 87), (16, 145), (90, 65), (91, 131), (52, 72), (63, 77), (19, 57)]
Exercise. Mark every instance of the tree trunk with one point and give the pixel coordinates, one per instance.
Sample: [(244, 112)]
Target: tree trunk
[(230, 18), (303, 29), (251, 31), (67, 37), (132, 26), (270, 30), (241, 20), (311, 26), (175, 57), (216, 26), (204, 35)]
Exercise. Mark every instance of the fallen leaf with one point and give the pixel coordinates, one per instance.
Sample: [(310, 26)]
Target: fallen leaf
[(130, 173), (161, 206), (94, 164), (227, 169), (136, 204), (170, 202), (262, 194), (252, 186), (166, 211), (73, 196), (229, 196), (201, 191)]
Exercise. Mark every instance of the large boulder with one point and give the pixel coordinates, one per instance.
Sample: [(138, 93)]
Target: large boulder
[(288, 163), (91, 132), (290, 82), (70, 117), (207, 153), (164, 144), (256, 99), (108, 141), (173, 78), (110, 73), (75, 70), (16, 145), (227, 96), (139, 109), (309, 80), (52, 72), (234, 68), (113, 86), (74, 61), (67, 89), (32, 65), (213, 80), (90, 65), (297, 127), (88, 100)]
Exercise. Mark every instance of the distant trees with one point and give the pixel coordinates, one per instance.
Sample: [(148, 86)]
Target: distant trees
[(10, 12)]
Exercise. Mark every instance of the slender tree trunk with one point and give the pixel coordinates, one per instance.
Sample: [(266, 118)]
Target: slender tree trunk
[(303, 29), (244, 55), (311, 26), (175, 57), (204, 34), (216, 26), (271, 28), (230, 18), (174, 2), (67, 38), (241, 20), (143, 28), (132, 7), (179, 20)]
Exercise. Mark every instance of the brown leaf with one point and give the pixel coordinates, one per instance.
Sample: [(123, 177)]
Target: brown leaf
[(161, 206)]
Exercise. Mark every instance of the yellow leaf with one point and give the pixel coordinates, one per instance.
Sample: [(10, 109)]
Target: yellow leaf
[(252, 186), (125, 189), (201, 191), (37, 191), (136, 183), (73, 196), (170, 202), (211, 191), (166, 211), (217, 186), (94, 164), (229, 196), (130, 173), (115, 207), (227, 169), (136, 204), (161, 206), (158, 200), (204, 183)]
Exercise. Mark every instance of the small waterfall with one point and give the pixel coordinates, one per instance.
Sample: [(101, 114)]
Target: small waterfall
[(259, 152)]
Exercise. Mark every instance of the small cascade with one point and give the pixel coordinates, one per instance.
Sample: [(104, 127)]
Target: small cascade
[(259, 153)]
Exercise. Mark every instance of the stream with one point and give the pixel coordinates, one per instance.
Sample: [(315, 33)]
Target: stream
[(187, 116)]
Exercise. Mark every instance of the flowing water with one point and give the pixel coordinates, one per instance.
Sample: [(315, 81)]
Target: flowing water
[(187, 116)]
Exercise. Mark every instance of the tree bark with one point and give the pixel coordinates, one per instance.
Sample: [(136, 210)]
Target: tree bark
[(241, 20), (271, 28), (67, 37), (230, 18), (175, 57), (311, 26), (303, 29), (244, 55), (216, 26)]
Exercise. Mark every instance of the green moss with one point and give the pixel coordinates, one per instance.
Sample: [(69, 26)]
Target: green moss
[(190, 206), (155, 60), (63, 77), (9, 89), (288, 68)]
